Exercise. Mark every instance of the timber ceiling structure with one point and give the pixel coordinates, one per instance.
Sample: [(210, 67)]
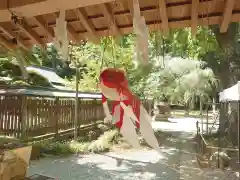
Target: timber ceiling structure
[(91, 19)]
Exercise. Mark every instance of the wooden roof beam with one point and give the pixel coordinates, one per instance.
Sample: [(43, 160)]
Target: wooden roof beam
[(6, 44), (227, 14), (164, 17), (81, 14), (12, 35), (44, 25), (72, 34), (29, 31), (109, 15), (194, 16), (125, 6), (47, 7)]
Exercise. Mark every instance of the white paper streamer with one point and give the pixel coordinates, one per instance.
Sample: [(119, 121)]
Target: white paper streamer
[(61, 38), (141, 30)]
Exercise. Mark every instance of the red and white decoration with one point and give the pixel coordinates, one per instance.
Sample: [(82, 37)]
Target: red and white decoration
[(127, 112)]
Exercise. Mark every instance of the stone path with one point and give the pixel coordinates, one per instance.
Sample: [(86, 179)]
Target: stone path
[(176, 161)]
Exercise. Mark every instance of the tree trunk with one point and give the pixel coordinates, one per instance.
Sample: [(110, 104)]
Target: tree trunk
[(227, 71)]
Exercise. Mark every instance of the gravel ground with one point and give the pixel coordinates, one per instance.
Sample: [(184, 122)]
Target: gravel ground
[(176, 161)]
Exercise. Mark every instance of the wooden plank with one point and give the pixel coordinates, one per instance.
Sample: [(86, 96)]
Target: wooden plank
[(68, 113), (9, 46), (28, 115), (110, 18), (47, 7), (1, 113), (32, 109), (56, 113), (13, 103), (23, 118), (72, 113), (124, 5), (81, 14), (22, 24), (12, 35), (227, 15), (43, 24)]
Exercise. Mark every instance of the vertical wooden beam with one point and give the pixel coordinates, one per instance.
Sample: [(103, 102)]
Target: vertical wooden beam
[(194, 16), (76, 124), (110, 16), (227, 14), (56, 118), (164, 17), (23, 117)]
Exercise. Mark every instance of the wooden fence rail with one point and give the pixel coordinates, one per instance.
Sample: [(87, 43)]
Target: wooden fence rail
[(24, 116)]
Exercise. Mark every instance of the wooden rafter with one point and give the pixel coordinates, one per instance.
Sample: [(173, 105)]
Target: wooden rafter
[(6, 44), (109, 15), (7, 31), (125, 5), (194, 16), (178, 15), (130, 6), (81, 14), (47, 7), (227, 14), (164, 17), (43, 24), (22, 24), (72, 34)]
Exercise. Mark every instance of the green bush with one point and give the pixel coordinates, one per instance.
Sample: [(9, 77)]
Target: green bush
[(102, 144), (35, 79), (9, 69)]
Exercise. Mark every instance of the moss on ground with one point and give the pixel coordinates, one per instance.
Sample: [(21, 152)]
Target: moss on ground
[(103, 143)]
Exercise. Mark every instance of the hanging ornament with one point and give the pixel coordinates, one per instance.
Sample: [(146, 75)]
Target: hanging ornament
[(127, 111), (141, 30), (61, 39)]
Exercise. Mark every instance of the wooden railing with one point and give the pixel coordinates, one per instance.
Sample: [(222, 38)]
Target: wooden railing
[(25, 116)]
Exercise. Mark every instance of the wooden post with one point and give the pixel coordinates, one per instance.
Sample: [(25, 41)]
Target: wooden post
[(238, 132), (201, 116), (207, 118), (149, 107), (23, 117), (56, 116), (76, 107)]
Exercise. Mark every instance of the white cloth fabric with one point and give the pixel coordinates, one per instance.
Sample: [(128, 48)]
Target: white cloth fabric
[(141, 30), (230, 94)]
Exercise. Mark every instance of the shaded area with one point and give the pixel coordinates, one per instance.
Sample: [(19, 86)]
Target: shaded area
[(176, 161)]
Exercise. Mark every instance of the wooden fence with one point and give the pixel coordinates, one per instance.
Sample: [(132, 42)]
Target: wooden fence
[(24, 116)]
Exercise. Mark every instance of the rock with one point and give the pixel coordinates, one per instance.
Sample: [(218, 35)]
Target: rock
[(161, 117), (219, 157)]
